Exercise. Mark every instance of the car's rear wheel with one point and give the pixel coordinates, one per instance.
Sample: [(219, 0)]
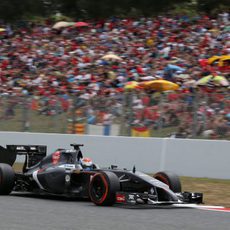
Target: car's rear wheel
[(169, 178), (103, 187), (7, 179)]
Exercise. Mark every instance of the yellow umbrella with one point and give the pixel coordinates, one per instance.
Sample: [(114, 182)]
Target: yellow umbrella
[(2, 29), (223, 59), (111, 56), (62, 24), (160, 85), (217, 81), (212, 59), (132, 85)]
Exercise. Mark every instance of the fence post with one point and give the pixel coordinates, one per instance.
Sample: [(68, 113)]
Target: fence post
[(74, 117), (25, 114), (130, 111), (123, 116), (205, 111), (195, 107), (160, 125)]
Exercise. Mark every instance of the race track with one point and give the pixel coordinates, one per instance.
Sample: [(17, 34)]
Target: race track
[(35, 213)]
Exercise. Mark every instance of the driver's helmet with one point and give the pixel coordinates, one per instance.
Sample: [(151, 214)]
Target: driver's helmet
[(87, 163)]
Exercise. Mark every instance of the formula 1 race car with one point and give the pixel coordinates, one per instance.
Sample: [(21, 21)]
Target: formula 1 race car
[(62, 173)]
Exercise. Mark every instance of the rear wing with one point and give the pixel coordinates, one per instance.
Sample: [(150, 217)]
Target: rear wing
[(35, 153)]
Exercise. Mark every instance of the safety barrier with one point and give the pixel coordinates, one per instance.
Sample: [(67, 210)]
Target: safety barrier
[(187, 157)]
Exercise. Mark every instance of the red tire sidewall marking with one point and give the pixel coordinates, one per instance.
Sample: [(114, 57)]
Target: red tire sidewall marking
[(106, 188)]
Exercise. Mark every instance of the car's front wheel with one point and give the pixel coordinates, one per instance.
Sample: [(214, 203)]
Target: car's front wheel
[(103, 187), (169, 178), (7, 179)]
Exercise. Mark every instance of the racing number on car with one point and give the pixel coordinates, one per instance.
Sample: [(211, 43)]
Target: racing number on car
[(56, 157)]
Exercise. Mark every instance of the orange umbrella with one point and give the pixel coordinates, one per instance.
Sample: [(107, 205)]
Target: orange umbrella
[(160, 85)]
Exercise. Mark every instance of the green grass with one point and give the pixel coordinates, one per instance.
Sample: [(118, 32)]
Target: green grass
[(216, 191), (37, 123), (164, 132)]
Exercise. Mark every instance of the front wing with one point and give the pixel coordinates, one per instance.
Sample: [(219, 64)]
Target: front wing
[(149, 199)]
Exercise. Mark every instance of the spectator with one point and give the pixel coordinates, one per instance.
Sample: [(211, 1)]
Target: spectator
[(107, 122)]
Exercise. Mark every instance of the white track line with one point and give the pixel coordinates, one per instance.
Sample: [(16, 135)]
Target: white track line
[(204, 207)]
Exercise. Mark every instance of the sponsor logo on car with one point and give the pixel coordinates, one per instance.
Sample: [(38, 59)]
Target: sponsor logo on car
[(131, 197), (120, 198)]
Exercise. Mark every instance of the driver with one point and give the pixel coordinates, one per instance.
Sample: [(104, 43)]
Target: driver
[(87, 163)]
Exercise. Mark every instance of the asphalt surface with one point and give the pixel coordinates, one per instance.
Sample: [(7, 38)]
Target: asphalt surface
[(35, 213)]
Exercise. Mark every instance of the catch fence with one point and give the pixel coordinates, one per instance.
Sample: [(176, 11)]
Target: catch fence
[(184, 114)]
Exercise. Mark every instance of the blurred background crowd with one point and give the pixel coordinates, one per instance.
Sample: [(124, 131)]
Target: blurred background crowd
[(89, 76)]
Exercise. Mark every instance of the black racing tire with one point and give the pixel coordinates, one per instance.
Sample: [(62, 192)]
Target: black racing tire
[(103, 187), (7, 179), (169, 178)]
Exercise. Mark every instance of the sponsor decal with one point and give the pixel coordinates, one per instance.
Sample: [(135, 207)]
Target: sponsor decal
[(69, 166), (120, 198), (20, 148), (152, 191), (67, 178), (56, 157), (131, 197), (70, 151), (27, 147)]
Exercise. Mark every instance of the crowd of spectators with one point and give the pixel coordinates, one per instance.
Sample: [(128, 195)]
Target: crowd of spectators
[(43, 62)]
